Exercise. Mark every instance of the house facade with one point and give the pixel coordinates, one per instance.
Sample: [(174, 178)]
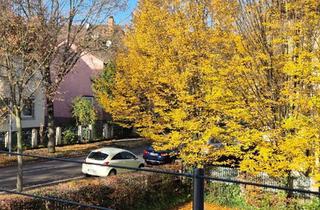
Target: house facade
[(77, 83), (33, 114)]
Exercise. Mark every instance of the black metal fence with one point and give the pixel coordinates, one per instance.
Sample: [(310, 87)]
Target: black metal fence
[(199, 178)]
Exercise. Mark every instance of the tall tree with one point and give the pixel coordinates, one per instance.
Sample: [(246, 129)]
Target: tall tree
[(272, 77), (164, 76), (244, 73), (20, 75), (71, 31)]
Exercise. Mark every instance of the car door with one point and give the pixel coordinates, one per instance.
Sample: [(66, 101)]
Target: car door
[(131, 159), (118, 160)]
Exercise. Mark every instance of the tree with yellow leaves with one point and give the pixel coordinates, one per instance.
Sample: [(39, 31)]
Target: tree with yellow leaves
[(164, 76), (273, 75), (244, 73)]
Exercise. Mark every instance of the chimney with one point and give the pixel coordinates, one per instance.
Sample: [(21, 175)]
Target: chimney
[(110, 24)]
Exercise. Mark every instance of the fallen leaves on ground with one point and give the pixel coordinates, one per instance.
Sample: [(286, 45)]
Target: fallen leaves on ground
[(207, 206)]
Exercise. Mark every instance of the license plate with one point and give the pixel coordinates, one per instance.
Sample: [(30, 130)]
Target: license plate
[(153, 154)]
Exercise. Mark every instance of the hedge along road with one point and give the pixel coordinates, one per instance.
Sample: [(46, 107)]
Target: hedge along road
[(36, 174)]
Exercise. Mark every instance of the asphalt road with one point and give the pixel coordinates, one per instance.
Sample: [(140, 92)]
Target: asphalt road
[(45, 172)]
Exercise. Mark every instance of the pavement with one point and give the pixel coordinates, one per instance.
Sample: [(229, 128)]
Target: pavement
[(43, 173)]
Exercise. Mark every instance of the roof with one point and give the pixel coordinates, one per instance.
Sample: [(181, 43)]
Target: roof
[(104, 35), (100, 36)]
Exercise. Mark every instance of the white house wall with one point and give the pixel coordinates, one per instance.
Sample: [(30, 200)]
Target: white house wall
[(38, 116)]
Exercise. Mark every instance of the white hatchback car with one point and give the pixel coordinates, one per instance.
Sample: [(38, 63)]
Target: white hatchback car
[(109, 157)]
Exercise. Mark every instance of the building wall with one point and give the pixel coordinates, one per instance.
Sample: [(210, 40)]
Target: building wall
[(38, 116), (76, 83), (39, 112)]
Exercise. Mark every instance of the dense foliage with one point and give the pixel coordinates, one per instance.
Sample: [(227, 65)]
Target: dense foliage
[(243, 73), (83, 111)]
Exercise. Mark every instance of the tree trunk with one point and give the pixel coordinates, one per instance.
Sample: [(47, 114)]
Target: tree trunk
[(19, 150), (51, 130), (290, 180), (41, 135)]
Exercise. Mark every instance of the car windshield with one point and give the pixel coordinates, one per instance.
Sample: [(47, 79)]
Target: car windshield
[(97, 156)]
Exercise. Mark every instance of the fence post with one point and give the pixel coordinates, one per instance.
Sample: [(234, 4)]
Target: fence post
[(34, 138), (90, 130), (198, 189), (6, 140), (106, 131), (80, 134), (58, 136)]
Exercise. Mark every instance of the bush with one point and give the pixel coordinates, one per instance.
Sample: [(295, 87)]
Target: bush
[(225, 194), (129, 191), (69, 136), (251, 197), (83, 111)]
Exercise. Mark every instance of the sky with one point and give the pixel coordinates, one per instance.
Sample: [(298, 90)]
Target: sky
[(124, 17)]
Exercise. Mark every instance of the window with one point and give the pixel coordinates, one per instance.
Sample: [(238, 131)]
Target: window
[(123, 156), (127, 155), (98, 156), (117, 156), (28, 109)]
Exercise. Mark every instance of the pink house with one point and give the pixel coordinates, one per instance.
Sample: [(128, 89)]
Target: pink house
[(77, 83)]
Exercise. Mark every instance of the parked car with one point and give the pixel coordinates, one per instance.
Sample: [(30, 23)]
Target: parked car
[(152, 156), (109, 157)]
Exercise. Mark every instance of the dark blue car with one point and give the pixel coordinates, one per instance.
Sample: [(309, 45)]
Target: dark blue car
[(158, 157)]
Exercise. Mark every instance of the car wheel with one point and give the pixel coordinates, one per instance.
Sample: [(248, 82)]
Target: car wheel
[(141, 165), (112, 172)]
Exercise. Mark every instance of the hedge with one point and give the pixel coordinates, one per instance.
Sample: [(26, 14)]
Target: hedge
[(122, 192)]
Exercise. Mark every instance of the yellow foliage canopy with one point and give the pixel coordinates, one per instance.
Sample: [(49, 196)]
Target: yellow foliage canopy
[(243, 73)]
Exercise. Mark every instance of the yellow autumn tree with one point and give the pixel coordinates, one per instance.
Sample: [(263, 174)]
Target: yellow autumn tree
[(165, 78), (273, 75), (244, 73)]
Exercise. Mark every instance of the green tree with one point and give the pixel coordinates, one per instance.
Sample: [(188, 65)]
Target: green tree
[(83, 111), (104, 83)]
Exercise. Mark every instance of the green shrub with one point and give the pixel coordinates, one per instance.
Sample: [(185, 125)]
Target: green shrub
[(69, 136), (251, 198), (225, 195), (83, 111)]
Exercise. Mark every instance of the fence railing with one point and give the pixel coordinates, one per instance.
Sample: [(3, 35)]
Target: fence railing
[(197, 176)]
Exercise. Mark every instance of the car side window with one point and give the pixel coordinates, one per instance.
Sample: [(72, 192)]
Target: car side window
[(127, 155), (117, 156)]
